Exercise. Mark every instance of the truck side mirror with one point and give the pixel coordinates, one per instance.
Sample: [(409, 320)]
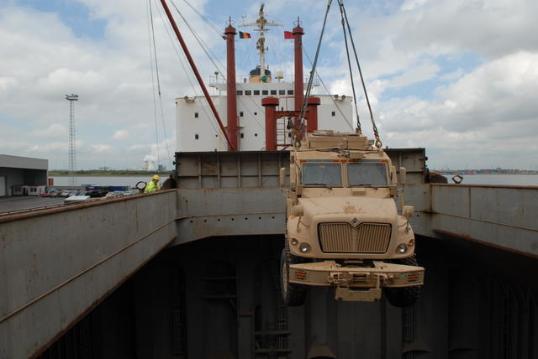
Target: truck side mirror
[(403, 175), (282, 176), (393, 174), (408, 211)]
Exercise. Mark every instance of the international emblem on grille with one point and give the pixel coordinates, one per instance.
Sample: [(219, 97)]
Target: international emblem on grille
[(362, 238)]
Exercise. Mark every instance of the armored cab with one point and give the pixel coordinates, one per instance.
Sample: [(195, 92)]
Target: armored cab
[(344, 227)]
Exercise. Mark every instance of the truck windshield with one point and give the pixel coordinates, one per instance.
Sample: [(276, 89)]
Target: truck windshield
[(321, 174), (367, 173)]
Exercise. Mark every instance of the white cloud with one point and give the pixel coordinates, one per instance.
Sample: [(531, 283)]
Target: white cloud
[(489, 27), (53, 131), (453, 75), (412, 4), (101, 148), (419, 73), (489, 114), (120, 135), (111, 75)]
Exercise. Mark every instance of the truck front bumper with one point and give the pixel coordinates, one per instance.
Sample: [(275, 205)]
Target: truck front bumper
[(356, 282)]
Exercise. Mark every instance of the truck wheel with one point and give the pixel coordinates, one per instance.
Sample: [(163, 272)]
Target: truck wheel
[(293, 295), (406, 296)]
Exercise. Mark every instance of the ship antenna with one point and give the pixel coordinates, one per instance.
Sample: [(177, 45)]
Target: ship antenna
[(260, 25)]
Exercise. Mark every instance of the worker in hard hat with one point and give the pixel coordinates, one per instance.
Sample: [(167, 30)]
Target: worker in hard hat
[(153, 185)]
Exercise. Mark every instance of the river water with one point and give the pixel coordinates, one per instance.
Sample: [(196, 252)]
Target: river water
[(512, 180), (515, 180)]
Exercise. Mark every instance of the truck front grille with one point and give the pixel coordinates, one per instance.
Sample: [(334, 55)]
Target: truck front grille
[(344, 238)]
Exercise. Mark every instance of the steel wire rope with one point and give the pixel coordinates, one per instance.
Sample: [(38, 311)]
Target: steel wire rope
[(188, 74), (161, 107), (297, 136), (205, 19), (349, 66), (379, 144), (192, 63), (150, 22), (209, 55), (329, 93), (201, 42), (217, 131)]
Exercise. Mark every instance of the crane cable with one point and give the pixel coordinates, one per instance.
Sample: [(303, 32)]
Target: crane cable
[(153, 63), (349, 66), (159, 91), (211, 57), (329, 93), (299, 131), (161, 107), (188, 74), (202, 44), (378, 142), (205, 19)]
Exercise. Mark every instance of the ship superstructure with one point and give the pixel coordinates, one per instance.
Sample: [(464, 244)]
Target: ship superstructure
[(196, 127)]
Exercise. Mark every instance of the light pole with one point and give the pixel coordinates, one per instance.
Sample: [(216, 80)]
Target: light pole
[(72, 145)]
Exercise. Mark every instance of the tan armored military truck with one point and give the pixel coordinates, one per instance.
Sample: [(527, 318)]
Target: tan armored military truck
[(344, 229)]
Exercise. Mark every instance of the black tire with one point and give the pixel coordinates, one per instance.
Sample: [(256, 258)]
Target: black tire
[(141, 185), (293, 295), (406, 296)]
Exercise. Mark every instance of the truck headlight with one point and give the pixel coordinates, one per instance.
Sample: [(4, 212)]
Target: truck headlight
[(294, 242), (402, 248), (304, 247)]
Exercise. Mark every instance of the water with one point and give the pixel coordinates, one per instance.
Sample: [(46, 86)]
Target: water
[(101, 180), (511, 180)]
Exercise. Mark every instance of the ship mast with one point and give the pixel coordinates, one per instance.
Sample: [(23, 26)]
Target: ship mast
[(260, 25)]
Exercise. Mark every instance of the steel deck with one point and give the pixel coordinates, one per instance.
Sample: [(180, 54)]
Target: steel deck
[(57, 264)]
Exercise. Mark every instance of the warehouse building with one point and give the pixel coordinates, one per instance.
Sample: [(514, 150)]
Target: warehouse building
[(19, 175)]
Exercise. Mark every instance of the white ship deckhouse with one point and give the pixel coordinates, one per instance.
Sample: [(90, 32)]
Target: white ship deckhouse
[(239, 104)]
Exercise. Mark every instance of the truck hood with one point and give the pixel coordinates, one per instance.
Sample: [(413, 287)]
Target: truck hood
[(346, 208)]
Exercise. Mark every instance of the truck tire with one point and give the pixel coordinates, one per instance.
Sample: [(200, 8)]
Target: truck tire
[(406, 296), (293, 295)]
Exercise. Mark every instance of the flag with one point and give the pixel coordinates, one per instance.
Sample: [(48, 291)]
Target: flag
[(288, 35), (244, 35)]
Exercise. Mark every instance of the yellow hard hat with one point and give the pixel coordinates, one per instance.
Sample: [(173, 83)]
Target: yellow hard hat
[(156, 177)]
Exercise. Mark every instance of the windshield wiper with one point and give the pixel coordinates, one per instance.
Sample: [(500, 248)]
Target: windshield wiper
[(316, 184)]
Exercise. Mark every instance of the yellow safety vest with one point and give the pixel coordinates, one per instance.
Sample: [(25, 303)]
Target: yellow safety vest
[(152, 186)]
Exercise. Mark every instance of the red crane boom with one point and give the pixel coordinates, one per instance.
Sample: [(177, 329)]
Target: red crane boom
[(196, 72)]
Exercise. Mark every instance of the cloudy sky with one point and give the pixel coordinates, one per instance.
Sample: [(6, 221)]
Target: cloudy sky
[(459, 77)]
